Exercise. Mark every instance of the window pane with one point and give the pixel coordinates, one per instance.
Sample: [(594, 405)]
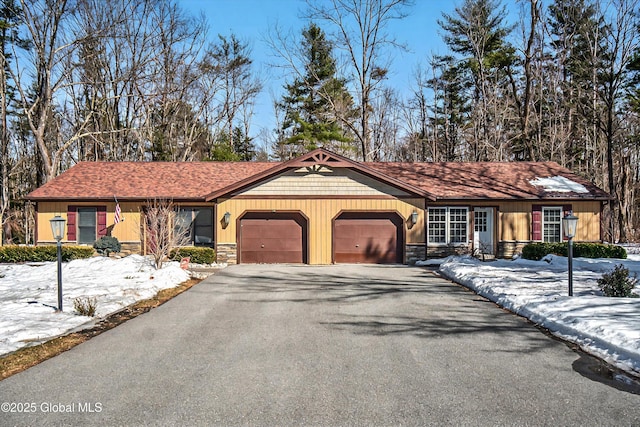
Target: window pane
[(203, 228), (551, 224), (437, 225), (197, 224), (182, 223), (86, 225), (457, 225), (480, 221)]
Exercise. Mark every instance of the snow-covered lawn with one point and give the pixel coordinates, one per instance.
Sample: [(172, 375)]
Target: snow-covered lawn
[(29, 294), (605, 327)]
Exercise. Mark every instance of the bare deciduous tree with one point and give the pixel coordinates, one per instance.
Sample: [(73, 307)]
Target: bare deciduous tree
[(163, 230), (359, 30)]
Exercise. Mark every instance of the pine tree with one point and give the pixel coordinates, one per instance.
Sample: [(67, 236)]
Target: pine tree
[(311, 99), (478, 34), (9, 35), (450, 113)]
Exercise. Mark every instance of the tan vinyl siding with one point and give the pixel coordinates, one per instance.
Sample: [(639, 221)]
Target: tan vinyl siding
[(125, 231), (588, 214), (514, 217), (322, 181), (515, 220), (320, 213)]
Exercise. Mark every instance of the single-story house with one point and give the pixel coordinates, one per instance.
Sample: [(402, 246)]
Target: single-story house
[(323, 208)]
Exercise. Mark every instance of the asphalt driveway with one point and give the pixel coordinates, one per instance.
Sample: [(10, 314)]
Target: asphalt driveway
[(335, 345)]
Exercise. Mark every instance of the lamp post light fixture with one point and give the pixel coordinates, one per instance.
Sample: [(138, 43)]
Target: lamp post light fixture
[(57, 228), (569, 226), (226, 219), (414, 218)]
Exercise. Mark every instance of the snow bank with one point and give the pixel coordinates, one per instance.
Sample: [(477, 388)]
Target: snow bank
[(29, 295), (605, 327)]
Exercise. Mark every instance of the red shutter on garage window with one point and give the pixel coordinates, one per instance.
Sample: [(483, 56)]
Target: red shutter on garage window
[(566, 210), (536, 222), (71, 222), (102, 220)]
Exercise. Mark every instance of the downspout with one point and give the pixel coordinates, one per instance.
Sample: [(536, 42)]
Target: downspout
[(215, 228)]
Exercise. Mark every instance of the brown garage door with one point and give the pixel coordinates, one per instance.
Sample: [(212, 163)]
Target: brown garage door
[(373, 238), (271, 238)]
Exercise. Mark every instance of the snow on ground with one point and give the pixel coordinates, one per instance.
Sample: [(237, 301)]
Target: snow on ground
[(605, 327), (29, 294)]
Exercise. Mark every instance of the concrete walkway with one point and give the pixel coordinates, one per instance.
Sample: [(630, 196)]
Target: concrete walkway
[(335, 345)]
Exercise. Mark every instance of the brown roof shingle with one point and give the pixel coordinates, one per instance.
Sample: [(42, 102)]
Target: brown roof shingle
[(486, 180), (146, 180), (196, 180)]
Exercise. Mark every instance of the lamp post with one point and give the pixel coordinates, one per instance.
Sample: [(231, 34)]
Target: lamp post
[(57, 228), (569, 225)]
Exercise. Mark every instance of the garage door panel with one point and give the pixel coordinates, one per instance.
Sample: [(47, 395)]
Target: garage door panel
[(272, 228), (272, 257), (272, 244), (367, 240), (371, 251), (274, 238)]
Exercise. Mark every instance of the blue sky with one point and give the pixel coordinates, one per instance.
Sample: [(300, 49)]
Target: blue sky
[(250, 21)]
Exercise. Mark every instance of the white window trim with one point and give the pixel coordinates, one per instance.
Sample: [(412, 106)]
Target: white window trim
[(448, 227), (551, 208)]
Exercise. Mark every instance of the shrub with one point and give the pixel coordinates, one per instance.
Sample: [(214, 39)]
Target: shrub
[(617, 283), (85, 306), (14, 253), (76, 252), (535, 251), (196, 255), (106, 245)]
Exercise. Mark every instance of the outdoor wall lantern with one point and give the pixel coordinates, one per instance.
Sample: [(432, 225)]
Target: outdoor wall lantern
[(414, 218), (569, 225), (57, 229), (226, 219)]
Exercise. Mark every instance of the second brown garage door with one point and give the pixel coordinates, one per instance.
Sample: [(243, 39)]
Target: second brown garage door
[(271, 238), (363, 237)]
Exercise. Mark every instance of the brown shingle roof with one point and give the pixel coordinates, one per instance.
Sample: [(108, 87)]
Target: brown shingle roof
[(146, 180), (196, 180), (487, 180)]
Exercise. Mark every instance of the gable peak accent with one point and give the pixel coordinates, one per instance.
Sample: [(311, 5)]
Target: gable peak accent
[(320, 157)]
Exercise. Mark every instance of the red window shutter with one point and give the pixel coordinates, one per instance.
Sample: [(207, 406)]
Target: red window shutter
[(102, 220), (71, 223), (536, 223)]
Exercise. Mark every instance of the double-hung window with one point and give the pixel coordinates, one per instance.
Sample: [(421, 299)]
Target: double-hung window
[(552, 224), (448, 225), (87, 225), (196, 224)]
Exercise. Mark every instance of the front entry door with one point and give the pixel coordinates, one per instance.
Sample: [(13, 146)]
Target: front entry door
[(483, 230)]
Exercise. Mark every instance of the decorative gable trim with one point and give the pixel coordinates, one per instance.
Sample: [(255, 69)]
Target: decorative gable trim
[(315, 158), (321, 158)]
